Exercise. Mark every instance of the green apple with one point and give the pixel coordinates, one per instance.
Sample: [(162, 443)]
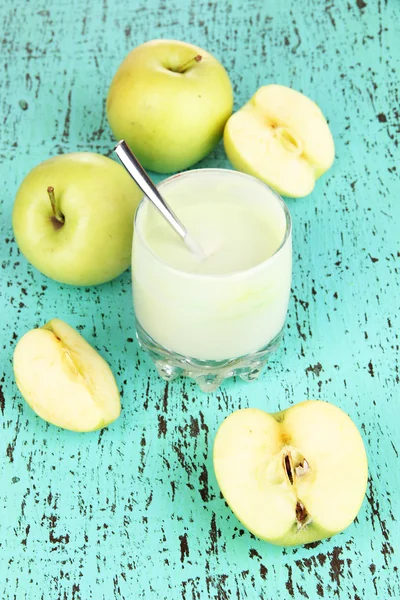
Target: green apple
[(64, 380), (292, 477), (170, 101), (73, 218), (281, 137)]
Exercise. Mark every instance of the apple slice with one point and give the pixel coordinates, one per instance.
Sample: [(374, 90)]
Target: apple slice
[(292, 477), (281, 137), (64, 380)]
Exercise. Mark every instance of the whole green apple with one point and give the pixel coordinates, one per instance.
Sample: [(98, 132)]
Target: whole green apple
[(170, 101), (73, 218)]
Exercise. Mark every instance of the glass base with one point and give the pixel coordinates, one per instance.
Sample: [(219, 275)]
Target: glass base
[(208, 374)]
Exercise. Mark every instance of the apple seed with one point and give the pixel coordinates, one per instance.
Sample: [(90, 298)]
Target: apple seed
[(302, 468), (288, 467), (303, 518)]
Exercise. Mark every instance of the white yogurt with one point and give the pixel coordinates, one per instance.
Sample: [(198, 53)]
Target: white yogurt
[(232, 303)]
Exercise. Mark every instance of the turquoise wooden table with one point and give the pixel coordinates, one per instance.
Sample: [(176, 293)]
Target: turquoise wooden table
[(134, 511)]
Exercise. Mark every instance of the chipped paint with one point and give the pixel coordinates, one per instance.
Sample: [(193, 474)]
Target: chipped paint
[(134, 511)]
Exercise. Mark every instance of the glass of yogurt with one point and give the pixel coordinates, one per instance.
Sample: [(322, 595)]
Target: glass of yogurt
[(222, 316)]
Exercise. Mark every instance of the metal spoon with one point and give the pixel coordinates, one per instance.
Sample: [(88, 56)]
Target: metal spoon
[(141, 178)]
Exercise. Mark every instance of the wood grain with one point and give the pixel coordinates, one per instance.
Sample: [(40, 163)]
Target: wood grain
[(134, 511)]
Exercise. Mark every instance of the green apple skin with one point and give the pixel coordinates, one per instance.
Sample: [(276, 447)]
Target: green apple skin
[(98, 200), (170, 120), (248, 464)]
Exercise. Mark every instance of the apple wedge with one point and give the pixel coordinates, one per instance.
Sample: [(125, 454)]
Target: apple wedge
[(64, 380), (292, 477), (281, 137)]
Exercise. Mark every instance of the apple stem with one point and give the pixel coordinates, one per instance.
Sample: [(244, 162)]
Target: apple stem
[(54, 205), (189, 63)]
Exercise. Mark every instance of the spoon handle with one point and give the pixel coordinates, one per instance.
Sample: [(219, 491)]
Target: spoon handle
[(136, 171)]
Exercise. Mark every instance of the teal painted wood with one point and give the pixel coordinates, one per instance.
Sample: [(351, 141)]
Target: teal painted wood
[(134, 511)]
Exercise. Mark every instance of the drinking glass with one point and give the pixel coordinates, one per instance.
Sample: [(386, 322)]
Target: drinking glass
[(212, 326)]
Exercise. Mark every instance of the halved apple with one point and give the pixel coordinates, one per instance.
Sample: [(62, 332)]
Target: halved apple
[(281, 137), (292, 477), (64, 380)]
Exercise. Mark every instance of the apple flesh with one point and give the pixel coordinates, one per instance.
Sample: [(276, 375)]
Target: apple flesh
[(292, 477), (281, 137), (170, 101), (73, 218), (64, 380)]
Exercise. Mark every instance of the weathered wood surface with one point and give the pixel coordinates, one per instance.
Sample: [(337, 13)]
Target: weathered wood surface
[(134, 511)]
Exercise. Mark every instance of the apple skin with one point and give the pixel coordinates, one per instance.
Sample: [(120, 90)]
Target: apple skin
[(98, 200), (249, 469), (64, 380), (170, 120)]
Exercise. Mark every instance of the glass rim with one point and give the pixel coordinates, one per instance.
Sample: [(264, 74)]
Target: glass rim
[(233, 274)]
